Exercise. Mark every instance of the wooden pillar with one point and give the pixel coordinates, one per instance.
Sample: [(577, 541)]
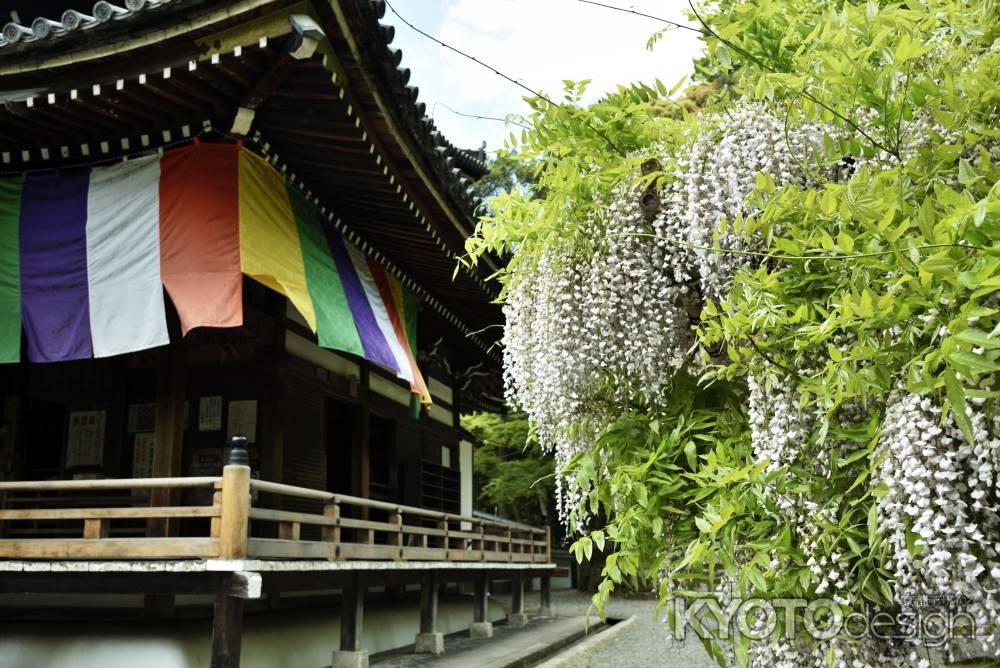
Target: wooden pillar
[(170, 392), (429, 640), (360, 448), (364, 459), (227, 629), (545, 597), (272, 400), (481, 626), (352, 608), (235, 519), (480, 601), (517, 617)]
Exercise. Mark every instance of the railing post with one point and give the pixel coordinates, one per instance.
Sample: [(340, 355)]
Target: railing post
[(95, 528), (234, 525), (216, 528), (482, 541), (445, 540), (510, 546), (289, 530), (331, 534), (397, 540), (548, 545)]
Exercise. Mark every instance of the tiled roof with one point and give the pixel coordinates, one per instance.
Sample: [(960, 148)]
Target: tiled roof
[(451, 169), (71, 20), (48, 29)]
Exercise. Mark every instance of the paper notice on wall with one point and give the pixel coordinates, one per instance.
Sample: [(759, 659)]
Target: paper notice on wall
[(141, 417), (210, 414), (243, 420), (142, 455), (85, 445)]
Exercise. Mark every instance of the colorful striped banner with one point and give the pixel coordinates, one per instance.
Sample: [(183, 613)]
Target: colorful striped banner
[(10, 269), (123, 258), (86, 254), (200, 235)]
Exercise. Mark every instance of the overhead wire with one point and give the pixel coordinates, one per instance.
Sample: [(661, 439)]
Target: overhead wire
[(500, 74), (707, 31), (483, 118), (674, 24)]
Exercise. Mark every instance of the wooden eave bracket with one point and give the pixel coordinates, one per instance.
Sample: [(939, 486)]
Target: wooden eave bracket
[(270, 80)]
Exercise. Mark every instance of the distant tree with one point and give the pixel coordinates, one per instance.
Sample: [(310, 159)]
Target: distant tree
[(693, 101), (515, 479), (507, 174)]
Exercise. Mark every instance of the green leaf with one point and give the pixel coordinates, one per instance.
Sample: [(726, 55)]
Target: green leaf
[(691, 454), (723, 57), (976, 362), (966, 174), (872, 525), (845, 241), (756, 577), (956, 397), (978, 337), (598, 538)]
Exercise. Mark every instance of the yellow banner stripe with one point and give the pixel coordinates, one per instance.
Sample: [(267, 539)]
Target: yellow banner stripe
[(270, 250)]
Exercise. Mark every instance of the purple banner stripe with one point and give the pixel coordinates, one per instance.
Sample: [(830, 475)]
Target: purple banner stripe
[(372, 340), (54, 300)]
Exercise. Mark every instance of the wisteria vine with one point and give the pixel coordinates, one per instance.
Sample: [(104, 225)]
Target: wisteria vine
[(763, 344)]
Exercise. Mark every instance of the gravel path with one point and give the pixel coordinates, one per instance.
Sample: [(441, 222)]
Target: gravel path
[(646, 643)]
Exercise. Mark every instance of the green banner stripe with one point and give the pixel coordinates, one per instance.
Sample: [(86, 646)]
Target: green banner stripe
[(335, 326), (410, 303), (10, 269)]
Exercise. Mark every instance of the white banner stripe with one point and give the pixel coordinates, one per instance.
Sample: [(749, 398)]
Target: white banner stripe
[(402, 369), (123, 258)]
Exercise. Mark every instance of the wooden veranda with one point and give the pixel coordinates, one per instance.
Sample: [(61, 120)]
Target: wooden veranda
[(239, 547)]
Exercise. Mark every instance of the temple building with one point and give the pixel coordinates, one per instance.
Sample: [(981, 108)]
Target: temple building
[(235, 341)]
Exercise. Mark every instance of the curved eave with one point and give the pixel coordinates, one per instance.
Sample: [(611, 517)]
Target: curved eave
[(389, 183)]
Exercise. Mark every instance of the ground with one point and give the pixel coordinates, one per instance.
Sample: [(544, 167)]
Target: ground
[(643, 643), (646, 643)]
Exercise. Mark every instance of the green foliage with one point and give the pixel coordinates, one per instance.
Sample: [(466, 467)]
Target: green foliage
[(507, 173), (514, 476), (694, 100), (882, 281), (565, 144)]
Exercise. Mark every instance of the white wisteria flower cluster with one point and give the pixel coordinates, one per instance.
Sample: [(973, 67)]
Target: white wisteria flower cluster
[(717, 173), (593, 328), (940, 510), (780, 432)]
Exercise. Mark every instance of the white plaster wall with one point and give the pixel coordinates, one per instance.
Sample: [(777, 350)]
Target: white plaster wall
[(465, 477), (299, 638)]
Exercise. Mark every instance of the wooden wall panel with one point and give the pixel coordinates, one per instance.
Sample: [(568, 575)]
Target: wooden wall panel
[(304, 458)]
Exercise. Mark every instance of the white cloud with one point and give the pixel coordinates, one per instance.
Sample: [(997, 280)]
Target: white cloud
[(539, 42)]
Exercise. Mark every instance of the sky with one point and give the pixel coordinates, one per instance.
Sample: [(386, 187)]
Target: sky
[(540, 43)]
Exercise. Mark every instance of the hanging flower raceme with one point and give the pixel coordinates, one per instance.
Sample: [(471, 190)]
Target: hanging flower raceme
[(940, 511), (599, 326)]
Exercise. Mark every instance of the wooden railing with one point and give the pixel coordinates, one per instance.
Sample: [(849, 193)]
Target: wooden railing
[(237, 526)]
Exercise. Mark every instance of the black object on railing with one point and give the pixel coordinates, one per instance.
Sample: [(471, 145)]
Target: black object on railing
[(238, 455)]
